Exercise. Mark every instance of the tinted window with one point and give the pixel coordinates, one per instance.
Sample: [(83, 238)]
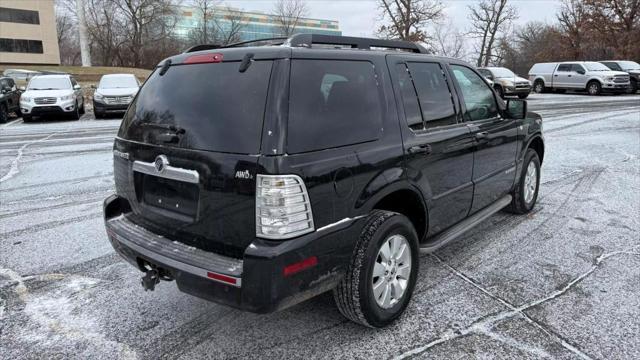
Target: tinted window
[(478, 97), (485, 72), (220, 108), (21, 46), (564, 67), (331, 104), (409, 98), (19, 16), (436, 103), (612, 66), (576, 68)]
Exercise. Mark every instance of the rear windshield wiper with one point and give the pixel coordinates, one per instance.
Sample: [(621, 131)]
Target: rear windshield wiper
[(174, 129)]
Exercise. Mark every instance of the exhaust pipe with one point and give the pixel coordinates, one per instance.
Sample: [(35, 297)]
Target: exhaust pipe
[(150, 279)]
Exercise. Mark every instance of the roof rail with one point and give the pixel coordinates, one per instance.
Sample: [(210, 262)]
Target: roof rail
[(266, 41), (307, 40)]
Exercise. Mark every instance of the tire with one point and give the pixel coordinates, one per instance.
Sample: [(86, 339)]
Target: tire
[(499, 91), (27, 118), (354, 295), (4, 114), (594, 87), (82, 111), (75, 115), (98, 115), (633, 87), (523, 96), (523, 201), (538, 87)]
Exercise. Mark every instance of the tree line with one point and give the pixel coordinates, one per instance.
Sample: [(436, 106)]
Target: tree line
[(140, 33)]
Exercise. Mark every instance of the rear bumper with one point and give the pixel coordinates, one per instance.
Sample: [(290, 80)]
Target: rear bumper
[(255, 283)]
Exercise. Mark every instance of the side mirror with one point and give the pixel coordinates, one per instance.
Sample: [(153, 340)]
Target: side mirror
[(94, 87), (516, 109), (77, 87), (490, 77), (22, 88), (4, 90)]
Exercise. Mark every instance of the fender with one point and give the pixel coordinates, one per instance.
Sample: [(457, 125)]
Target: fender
[(383, 184)]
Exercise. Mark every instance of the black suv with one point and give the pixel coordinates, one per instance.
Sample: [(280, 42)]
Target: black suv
[(9, 98), (261, 176)]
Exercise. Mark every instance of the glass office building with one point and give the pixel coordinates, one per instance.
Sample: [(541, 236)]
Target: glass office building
[(255, 25)]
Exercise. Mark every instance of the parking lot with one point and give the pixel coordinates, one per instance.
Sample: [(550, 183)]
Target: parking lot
[(562, 282)]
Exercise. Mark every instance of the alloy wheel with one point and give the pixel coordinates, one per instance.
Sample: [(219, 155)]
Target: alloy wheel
[(530, 182), (391, 271)]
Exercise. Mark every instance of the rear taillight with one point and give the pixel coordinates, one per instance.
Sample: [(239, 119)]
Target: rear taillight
[(283, 209)]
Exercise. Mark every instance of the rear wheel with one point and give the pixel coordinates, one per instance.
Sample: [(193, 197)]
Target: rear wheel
[(525, 194), (538, 86), (382, 275), (594, 87)]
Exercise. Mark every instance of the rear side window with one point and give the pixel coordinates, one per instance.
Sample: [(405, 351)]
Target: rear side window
[(218, 107), (436, 102), (577, 68), (331, 104), (564, 67)]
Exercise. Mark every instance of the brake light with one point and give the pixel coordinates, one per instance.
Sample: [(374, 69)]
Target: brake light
[(283, 209), (203, 59)]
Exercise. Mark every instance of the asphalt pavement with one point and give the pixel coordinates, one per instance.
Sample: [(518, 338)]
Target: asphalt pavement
[(562, 282)]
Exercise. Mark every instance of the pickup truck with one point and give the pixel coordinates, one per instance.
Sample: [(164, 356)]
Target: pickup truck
[(593, 77)]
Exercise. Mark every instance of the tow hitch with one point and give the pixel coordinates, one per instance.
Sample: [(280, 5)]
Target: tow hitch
[(150, 279)]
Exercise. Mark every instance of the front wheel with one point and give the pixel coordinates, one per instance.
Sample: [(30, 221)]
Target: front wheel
[(523, 96), (382, 275), (633, 86), (525, 194), (4, 114), (75, 115), (594, 88)]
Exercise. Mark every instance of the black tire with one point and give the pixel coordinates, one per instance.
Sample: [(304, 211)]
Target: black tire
[(519, 205), (538, 87), (27, 118), (523, 96), (4, 114), (82, 111), (75, 115), (594, 87), (354, 294), (499, 91), (633, 87)]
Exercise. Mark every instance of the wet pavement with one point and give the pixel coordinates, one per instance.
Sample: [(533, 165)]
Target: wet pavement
[(560, 282)]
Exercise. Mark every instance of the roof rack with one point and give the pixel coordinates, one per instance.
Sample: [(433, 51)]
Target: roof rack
[(264, 42), (307, 40)]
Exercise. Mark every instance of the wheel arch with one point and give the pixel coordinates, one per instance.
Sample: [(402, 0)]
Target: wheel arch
[(537, 144), (406, 201)]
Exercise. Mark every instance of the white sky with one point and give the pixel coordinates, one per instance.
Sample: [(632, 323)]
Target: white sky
[(359, 17)]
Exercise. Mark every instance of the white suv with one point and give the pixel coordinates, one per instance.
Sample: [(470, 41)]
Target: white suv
[(52, 94)]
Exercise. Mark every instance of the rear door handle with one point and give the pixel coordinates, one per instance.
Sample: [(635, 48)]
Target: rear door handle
[(420, 149)]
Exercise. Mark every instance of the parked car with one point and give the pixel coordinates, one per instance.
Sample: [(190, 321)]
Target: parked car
[(114, 94), (20, 76), (259, 177), (52, 95), (9, 98), (630, 67), (506, 82), (591, 76)]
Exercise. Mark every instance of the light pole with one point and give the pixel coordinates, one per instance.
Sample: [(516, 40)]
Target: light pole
[(82, 30)]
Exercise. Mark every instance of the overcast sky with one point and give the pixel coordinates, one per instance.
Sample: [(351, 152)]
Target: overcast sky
[(359, 17)]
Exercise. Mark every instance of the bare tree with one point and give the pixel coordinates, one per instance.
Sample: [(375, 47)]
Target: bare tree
[(572, 18), (287, 14), (204, 32), (616, 24), (448, 40), (67, 34), (488, 18), (407, 19), (230, 26)]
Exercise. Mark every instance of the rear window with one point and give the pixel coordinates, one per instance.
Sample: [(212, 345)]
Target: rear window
[(219, 108), (332, 103)]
